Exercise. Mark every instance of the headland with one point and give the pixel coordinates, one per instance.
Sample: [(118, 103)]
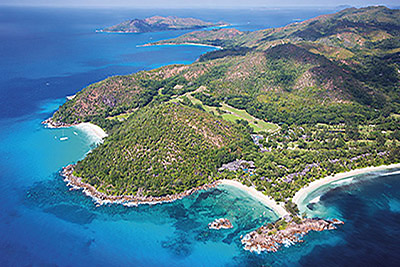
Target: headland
[(127, 200)]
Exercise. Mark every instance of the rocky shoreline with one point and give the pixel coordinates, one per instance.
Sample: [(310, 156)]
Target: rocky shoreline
[(272, 236), (55, 124), (221, 223), (127, 200), (284, 232)]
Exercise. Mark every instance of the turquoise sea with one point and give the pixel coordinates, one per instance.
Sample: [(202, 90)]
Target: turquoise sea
[(50, 53)]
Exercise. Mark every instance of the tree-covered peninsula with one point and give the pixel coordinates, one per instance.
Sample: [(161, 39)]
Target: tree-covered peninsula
[(295, 104)]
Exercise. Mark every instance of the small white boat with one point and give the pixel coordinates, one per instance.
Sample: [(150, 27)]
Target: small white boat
[(63, 137), (75, 133)]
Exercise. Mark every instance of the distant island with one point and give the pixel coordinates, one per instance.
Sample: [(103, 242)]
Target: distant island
[(273, 110), (159, 23)]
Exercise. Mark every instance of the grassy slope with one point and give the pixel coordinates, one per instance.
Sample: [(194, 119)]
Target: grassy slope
[(233, 114), (310, 79)]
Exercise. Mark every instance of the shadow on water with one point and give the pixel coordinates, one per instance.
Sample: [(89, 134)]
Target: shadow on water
[(180, 244), (53, 196), (371, 230)]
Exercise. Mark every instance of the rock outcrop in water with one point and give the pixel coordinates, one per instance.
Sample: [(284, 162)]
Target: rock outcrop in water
[(220, 223), (50, 123), (272, 236)]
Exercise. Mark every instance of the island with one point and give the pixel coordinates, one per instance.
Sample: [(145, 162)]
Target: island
[(271, 112), (284, 232), (159, 23), (221, 223)]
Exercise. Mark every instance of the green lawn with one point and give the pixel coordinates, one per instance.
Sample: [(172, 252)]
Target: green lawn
[(396, 115), (119, 117), (233, 114), (257, 124)]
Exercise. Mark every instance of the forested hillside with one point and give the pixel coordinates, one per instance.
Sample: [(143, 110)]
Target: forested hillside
[(323, 96), (163, 150)]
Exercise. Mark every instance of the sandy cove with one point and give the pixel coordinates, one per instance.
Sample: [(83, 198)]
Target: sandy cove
[(89, 128), (266, 200), (127, 200), (305, 191)]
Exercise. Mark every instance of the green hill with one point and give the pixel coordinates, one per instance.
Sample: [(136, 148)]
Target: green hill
[(331, 83), (162, 150)]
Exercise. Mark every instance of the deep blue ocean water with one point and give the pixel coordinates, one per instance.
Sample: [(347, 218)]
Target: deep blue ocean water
[(47, 54)]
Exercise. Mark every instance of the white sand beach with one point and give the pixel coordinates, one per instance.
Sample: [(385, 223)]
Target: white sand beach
[(92, 130), (304, 192), (268, 201)]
